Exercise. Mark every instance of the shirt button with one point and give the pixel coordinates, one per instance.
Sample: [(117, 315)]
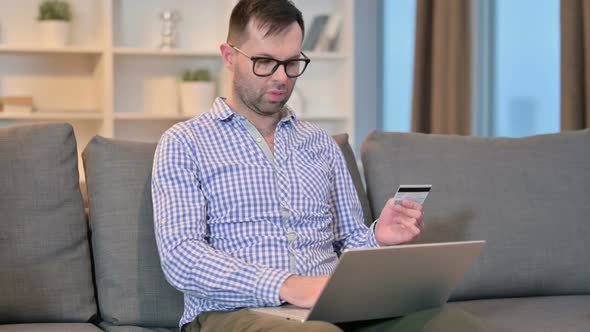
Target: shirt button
[(258, 139), (284, 213), (163, 221)]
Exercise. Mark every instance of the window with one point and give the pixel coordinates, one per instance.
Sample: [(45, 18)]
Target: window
[(399, 20), (517, 66), (526, 68)]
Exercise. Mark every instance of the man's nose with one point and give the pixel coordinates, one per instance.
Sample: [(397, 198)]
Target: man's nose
[(280, 74)]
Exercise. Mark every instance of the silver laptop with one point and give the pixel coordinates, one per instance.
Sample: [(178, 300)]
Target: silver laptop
[(375, 283)]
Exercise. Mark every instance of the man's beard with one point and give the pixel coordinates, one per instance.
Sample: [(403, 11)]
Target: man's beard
[(256, 105)]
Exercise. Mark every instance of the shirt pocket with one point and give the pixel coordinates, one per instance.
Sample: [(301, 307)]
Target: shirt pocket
[(314, 176)]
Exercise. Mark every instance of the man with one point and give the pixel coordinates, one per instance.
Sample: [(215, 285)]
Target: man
[(251, 205)]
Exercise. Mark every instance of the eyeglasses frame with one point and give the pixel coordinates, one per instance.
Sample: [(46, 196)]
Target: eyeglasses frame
[(306, 60)]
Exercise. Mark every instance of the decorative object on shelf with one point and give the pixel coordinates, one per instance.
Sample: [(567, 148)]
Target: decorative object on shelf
[(160, 96), (17, 104), (328, 39), (197, 92), (312, 37), (54, 23), (296, 102), (169, 20), (324, 33)]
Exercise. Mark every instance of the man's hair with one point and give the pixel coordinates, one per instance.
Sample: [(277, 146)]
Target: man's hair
[(274, 16)]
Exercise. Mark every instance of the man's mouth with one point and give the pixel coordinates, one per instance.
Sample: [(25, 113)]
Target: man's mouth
[(276, 95)]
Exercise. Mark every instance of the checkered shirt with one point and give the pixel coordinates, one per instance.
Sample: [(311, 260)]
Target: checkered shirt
[(233, 221)]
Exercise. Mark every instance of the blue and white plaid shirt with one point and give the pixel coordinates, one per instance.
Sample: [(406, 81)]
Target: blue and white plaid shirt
[(233, 221)]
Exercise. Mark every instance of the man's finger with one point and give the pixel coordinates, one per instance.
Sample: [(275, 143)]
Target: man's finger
[(412, 204), (406, 221), (412, 213), (420, 223), (411, 226)]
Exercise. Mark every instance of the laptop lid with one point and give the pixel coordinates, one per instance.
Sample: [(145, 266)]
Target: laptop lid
[(373, 283)]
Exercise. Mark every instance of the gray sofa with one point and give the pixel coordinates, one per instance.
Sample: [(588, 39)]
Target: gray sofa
[(63, 270)]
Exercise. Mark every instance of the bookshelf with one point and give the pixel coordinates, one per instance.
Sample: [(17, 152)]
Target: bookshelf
[(97, 82)]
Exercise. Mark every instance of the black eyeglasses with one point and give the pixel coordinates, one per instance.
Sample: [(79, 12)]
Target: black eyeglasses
[(266, 66)]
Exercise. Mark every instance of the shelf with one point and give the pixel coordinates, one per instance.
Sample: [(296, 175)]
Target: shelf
[(54, 50), (212, 53), (163, 53), (325, 55), (322, 117), (52, 116), (142, 116), (100, 82)]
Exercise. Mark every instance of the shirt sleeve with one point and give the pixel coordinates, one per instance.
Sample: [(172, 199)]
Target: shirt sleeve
[(188, 261), (348, 226)]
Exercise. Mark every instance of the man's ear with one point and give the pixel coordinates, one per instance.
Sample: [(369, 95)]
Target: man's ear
[(227, 54)]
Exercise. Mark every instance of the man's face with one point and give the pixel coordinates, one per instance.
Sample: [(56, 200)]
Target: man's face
[(266, 95)]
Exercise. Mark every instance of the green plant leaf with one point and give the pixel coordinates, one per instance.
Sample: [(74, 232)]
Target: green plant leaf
[(55, 10), (197, 75)]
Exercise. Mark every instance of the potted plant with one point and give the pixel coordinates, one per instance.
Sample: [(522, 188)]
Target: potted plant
[(54, 22), (197, 91)]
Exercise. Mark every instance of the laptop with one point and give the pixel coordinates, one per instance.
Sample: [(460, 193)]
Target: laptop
[(373, 283)]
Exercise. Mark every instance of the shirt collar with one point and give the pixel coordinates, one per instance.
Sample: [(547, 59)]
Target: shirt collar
[(222, 112)]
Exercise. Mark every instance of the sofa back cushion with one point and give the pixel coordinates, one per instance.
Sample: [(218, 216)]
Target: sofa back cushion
[(528, 197), (131, 287), (45, 266), (130, 284), (344, 145)]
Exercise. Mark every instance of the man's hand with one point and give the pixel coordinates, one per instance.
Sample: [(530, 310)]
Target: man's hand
[(400, 223), (302, 291)]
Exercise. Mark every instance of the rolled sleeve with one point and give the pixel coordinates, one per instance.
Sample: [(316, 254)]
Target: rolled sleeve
[(269, 285), (371, 239)]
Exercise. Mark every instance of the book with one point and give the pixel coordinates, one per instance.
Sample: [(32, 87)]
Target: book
[(17, 100), (17, 104), (328, 40), (313, 34), (16, 109)]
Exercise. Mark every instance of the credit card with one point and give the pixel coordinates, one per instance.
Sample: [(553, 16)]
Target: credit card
[(414, 192)]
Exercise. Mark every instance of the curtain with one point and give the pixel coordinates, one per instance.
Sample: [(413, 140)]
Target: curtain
[(441, 101), (575, 64)]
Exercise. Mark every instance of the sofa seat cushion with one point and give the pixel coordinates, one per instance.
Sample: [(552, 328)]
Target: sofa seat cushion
[(528, 197), (57, 327), (139, 329), (128, 328), (535, 314), (45, 265)]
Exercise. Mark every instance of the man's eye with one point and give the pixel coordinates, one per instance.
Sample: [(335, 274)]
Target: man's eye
[(265, 62), (293, 64)]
